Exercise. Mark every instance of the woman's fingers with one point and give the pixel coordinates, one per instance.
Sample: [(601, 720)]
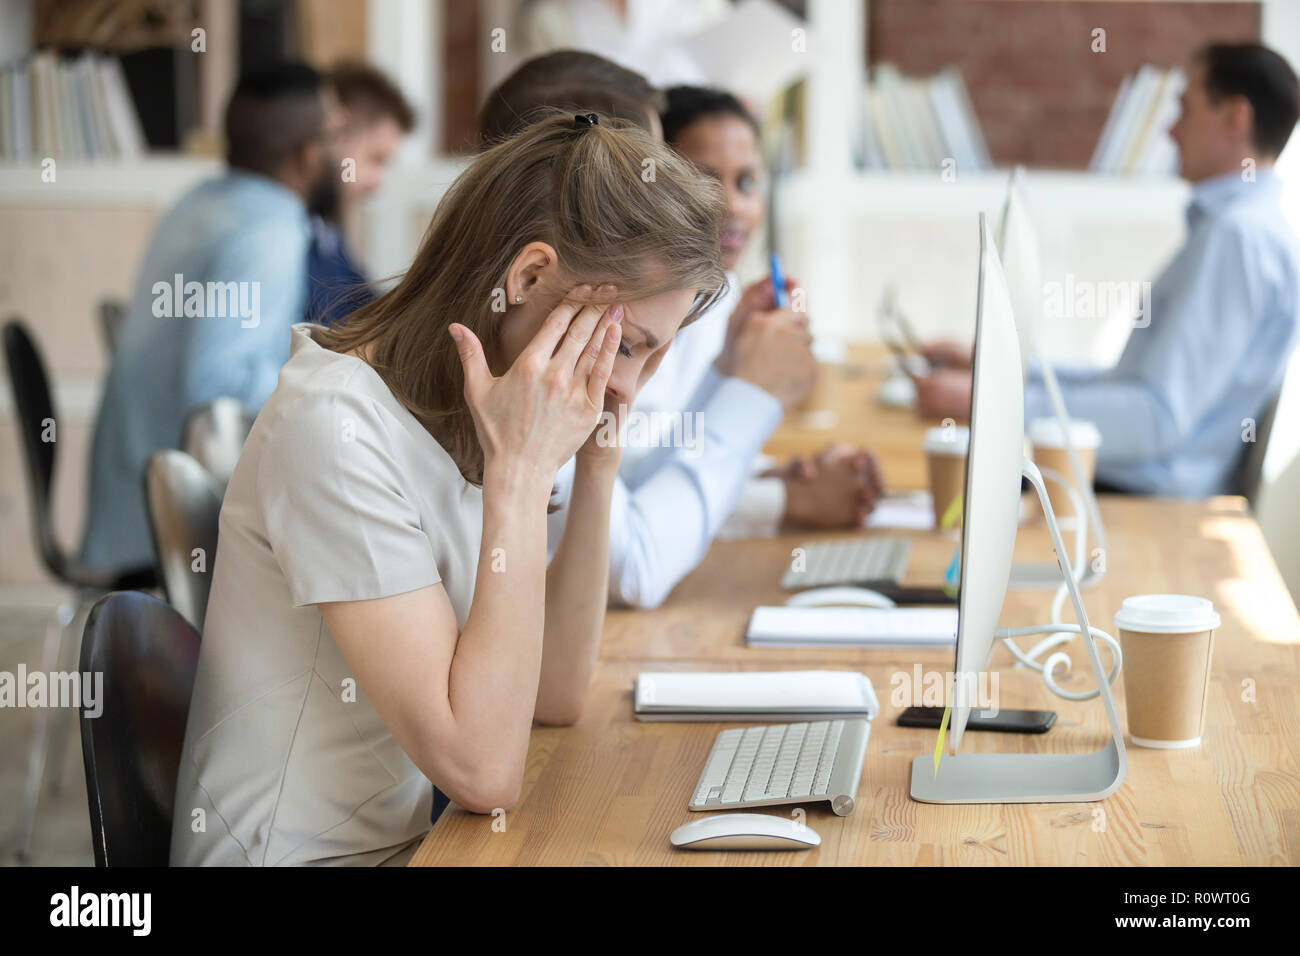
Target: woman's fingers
[(591, 354), (604, 365), (557, 323), (477, 374), (581, 331)]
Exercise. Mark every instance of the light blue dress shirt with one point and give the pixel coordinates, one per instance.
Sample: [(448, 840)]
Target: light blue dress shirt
[(223, 279), (1223, 322)]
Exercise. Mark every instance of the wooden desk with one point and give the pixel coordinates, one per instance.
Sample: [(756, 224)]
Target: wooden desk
[(610, 789), (844, 408)]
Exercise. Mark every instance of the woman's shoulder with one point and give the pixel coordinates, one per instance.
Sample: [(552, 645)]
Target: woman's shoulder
[(327, 403)]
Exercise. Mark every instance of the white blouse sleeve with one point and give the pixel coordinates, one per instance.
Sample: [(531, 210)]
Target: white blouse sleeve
[(336, 508)]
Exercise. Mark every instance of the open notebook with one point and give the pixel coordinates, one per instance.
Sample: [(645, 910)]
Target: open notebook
[(782, 626), (766, 695)]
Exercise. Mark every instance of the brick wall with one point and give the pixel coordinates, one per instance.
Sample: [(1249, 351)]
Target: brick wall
[(1041, 94), (462, 40)]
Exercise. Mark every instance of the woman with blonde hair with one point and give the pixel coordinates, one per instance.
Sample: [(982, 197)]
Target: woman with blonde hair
[(382, 615)]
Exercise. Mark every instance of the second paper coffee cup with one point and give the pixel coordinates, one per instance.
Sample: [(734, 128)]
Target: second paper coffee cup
[(945, 450), (1048, 440), (1168, 644)]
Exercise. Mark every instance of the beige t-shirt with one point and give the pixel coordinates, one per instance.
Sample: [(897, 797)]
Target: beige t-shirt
[(339, 495)]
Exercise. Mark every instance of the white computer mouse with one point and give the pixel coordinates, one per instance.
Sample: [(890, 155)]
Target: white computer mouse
[(839, 597), (744, 831)]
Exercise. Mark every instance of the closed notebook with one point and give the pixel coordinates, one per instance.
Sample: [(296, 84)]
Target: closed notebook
[(768, 695), (782, 626)]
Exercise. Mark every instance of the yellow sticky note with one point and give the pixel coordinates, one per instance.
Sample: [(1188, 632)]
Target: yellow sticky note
[(951, 513), (943, 729)]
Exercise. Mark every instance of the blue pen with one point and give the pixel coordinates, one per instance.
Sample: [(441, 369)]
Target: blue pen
[(779, 295)]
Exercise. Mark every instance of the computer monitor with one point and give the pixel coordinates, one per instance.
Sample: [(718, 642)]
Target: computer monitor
[(1019, 250), (995, 463), (992, 495)]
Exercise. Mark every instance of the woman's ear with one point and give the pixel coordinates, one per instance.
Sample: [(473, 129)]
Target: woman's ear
[(533, 270)]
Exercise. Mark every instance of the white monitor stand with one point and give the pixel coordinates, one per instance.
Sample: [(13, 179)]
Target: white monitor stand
[(1046, 576), (1034, 778)]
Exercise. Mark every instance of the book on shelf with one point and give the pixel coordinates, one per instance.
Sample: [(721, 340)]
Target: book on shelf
[(919, 123), (1135, 138), (71, 108)]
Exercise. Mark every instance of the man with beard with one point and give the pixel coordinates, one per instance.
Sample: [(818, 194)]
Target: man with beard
[(376, 117), (222, 281)]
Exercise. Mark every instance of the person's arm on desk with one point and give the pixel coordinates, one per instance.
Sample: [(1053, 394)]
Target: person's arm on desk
[(1177, 368), (576, 592), (838, 488), (945, 353), (661, 528)]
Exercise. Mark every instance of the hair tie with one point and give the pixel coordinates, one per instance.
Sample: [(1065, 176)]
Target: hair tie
[(585, 121)]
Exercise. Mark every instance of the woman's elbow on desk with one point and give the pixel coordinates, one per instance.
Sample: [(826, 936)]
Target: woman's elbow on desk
[(559, 715), (487, 801), (483, 788)]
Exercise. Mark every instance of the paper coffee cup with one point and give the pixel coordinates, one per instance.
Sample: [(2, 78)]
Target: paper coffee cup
[(945, 450), (1168, 642), (1047, 438)]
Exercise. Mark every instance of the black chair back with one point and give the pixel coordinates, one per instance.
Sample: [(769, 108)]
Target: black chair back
[(36, 422), (148, 655), (1250, 470), (38, 426)]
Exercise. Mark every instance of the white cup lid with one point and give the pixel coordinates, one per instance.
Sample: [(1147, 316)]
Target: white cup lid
[(946, 440), (1167, 614), (1049, 433)]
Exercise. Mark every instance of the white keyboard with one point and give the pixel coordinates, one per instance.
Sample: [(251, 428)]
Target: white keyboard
[(784, 763), (860, 561)]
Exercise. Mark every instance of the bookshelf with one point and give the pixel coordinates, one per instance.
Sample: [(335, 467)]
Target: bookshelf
[(154, 180), (1043, 74), (850, 236)]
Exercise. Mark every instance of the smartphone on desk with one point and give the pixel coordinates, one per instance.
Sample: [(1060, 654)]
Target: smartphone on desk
[(1007, 721), (903, 595)]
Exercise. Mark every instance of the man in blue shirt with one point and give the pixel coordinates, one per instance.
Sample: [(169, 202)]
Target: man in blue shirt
[(1221, 323), (222, 281), (375, 118)]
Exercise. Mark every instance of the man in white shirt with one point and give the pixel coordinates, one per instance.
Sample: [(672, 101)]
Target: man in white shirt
[(699, 423)]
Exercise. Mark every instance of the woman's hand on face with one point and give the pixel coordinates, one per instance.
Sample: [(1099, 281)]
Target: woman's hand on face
[(544, 408)]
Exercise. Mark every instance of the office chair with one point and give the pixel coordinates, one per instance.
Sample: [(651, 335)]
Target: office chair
[(132, 750), (184, 504), (37, 425), (112, 315), (214, 436), (1250, 470), (36, 421)]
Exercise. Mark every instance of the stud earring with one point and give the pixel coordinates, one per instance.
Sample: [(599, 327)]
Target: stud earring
[(519, 298)]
